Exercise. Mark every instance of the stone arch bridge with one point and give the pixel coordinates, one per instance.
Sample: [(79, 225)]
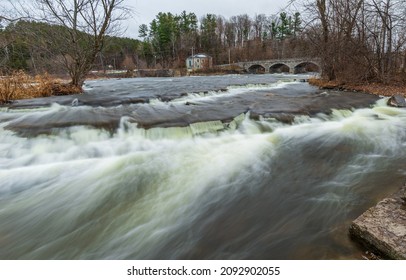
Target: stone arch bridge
[(290, 65)]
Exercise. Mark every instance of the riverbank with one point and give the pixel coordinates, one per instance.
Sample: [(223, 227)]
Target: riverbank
[(373, 88), (20, 85), (382, 228)]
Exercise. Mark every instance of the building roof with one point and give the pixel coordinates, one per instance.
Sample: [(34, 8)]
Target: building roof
[(199, 55)]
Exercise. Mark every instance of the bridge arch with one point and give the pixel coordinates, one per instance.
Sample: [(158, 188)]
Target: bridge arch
[(256, 69), (306, 66), (279, 68)]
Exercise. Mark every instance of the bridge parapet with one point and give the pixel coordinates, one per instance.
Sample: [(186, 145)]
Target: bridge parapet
[(292, 63)]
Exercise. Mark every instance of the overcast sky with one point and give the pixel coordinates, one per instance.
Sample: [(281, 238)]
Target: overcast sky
[(146, 10)]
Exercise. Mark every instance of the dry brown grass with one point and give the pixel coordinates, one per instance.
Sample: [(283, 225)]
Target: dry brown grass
[(20, 85), (324, 84)]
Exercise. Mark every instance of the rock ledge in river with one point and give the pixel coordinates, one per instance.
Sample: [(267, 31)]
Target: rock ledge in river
[(383, 227), (397, 101)]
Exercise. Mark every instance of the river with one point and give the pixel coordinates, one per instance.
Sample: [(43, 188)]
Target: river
[(225, 167)]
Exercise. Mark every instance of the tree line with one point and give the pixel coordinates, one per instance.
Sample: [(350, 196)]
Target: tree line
[(165, 43), (356, 40), (25, 45), (170, 38)]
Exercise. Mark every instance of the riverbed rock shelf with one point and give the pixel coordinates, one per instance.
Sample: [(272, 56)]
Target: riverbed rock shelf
[(383, 228)]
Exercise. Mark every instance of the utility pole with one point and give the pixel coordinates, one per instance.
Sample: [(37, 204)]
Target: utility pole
[(229, 56)]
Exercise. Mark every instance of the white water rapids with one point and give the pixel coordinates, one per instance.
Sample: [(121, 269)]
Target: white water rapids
[(250, 189)]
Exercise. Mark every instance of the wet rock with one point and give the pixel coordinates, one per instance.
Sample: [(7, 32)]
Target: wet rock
[(105, 110), (383, 228), (188, 103), (397, 101)]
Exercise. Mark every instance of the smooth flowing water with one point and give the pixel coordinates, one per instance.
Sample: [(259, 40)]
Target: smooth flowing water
[(210, 175)]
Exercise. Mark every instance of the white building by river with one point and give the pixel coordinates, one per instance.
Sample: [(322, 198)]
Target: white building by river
[(199, 61)]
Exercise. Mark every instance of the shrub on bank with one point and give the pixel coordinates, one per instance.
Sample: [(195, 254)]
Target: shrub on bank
[(20, 85)]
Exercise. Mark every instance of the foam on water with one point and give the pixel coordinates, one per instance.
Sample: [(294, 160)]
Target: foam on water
[(230, 91)]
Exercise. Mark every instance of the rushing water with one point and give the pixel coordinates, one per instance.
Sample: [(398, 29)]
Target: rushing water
[(90, 182)]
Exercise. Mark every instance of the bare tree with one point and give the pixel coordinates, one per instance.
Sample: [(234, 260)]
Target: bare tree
[(259, 25), (6, 15), (4, 40), (230, 34), (357, 40), (82, 28)]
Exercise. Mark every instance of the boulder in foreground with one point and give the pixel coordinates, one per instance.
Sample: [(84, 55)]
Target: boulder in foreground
[(383, 228), (397, 101)]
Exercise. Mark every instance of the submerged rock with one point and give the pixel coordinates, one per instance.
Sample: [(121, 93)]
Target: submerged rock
[(397, 101), (383, 228), (75, 102)]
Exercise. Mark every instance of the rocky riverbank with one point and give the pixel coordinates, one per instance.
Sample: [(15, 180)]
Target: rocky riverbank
[(373, 88), (382, 228)]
